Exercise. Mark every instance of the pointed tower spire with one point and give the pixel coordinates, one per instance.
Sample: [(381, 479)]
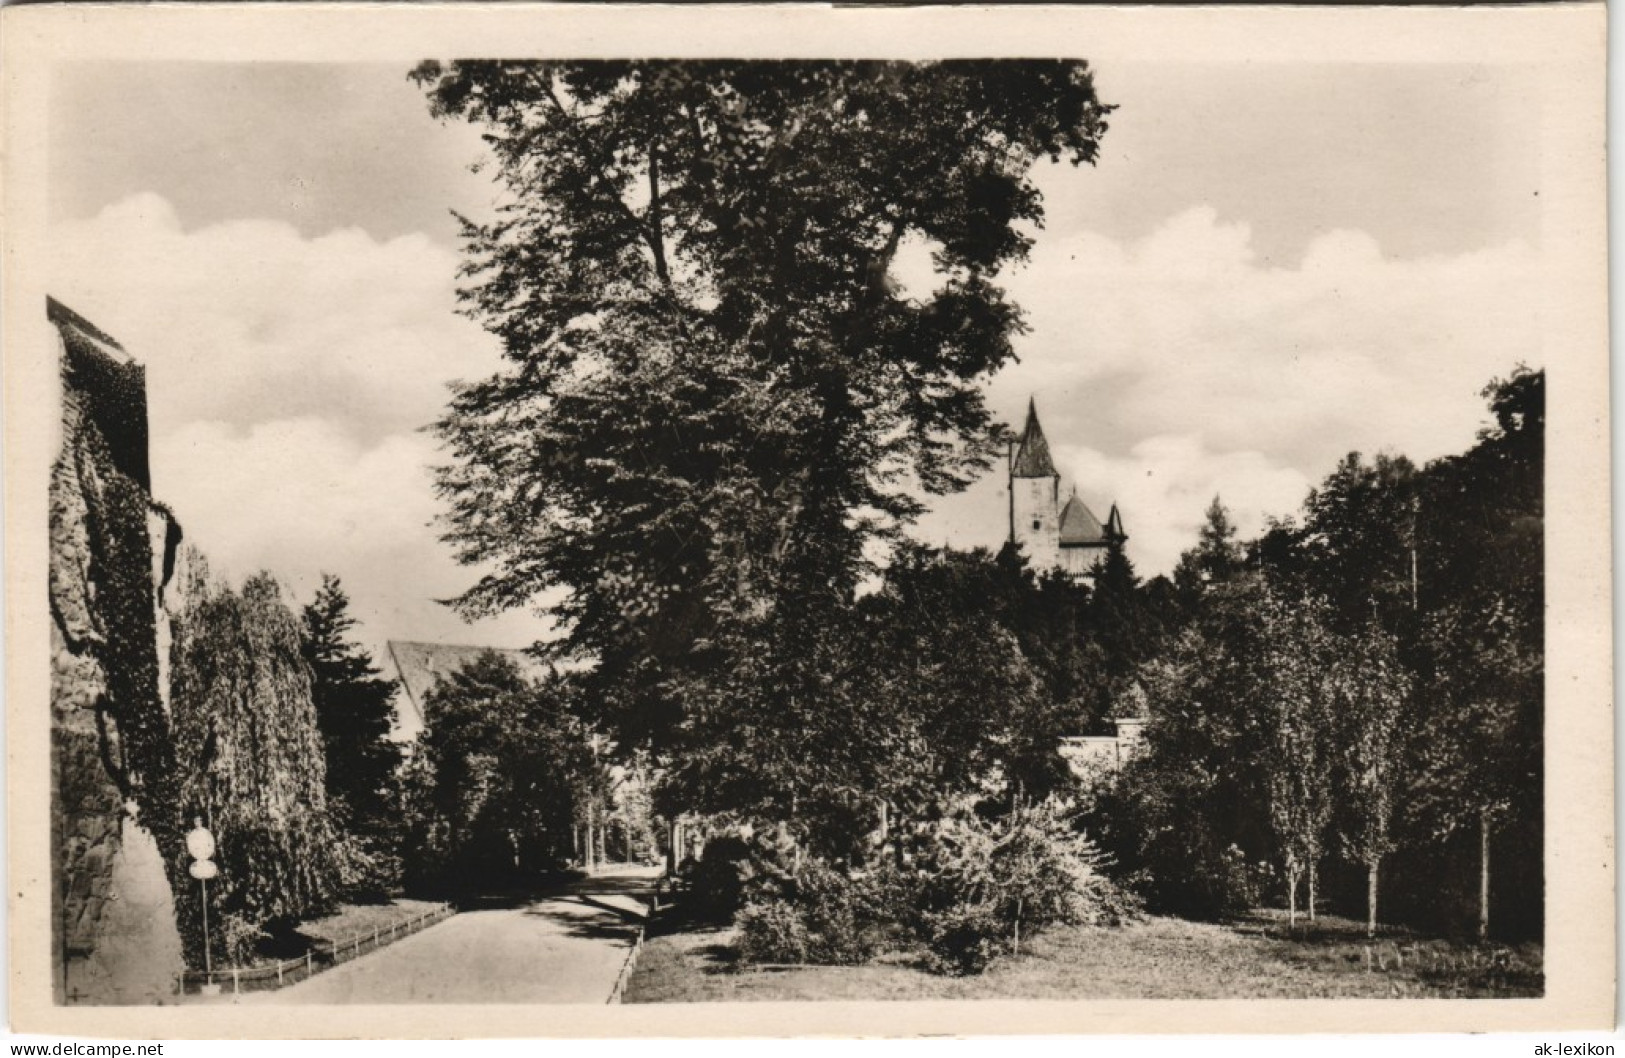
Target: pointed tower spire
[(1032, 452), (1114, 525)]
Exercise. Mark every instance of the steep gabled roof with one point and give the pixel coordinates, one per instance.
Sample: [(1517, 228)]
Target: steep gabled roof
[(420, 666), (1079, 526), (1032, 453)]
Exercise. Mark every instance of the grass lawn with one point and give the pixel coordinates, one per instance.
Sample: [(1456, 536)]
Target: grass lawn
[(351, 919), (1159, 958)]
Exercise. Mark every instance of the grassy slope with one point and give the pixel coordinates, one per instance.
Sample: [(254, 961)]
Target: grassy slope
[(350, 919), (1160, 958)]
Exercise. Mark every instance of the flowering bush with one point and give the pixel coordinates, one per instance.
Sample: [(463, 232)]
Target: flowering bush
[(978, 885)]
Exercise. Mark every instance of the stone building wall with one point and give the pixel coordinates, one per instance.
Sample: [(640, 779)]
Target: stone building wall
[(113, 913)]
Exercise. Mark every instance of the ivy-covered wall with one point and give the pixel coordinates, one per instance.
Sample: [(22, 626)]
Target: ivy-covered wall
[(114, 818)]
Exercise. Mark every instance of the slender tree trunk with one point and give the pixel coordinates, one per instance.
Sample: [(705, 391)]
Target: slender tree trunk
[(1483, 875), (1016, 947), (1314, 876), (1371, 897), (1291, 895)]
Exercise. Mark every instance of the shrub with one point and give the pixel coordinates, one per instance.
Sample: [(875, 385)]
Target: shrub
[(964, 939), (845, 919), (815, 914), (1201, 881), (237, 940), (772, 931), (367, 871), (978, 886), (717, 880)]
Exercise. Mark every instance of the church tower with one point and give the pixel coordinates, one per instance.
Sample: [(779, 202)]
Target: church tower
[(1053, 535), (1035, 493)]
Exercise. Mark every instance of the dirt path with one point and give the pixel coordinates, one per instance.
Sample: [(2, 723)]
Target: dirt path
[(566, 947)]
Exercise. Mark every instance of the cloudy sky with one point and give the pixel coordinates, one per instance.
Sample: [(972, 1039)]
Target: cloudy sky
[(1272, 265)]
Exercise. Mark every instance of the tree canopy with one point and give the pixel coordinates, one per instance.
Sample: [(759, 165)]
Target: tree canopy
[(501, 772), (716, 394)]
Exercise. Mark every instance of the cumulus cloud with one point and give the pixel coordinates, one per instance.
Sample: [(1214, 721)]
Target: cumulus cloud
[(247, 321), (302, 497), (290, 375), (288, 380), (1177, 366)]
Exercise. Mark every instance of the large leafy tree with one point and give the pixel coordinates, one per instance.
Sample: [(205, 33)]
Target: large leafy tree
[(1357, 546), (716, 395), (354, 711), (1188, 813), (501, 774), (1482, 586)]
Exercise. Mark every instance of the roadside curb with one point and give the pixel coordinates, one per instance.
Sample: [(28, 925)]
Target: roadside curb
[(631, 962)]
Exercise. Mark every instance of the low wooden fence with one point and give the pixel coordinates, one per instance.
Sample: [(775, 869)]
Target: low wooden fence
[(321, 955), (665, 887)]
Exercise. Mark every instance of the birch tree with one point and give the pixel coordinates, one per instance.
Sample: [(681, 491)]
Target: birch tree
[(1371, 692)]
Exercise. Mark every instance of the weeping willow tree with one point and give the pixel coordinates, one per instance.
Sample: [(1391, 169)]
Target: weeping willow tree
[(250, 764)]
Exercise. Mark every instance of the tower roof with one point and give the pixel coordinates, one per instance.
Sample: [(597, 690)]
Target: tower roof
[(1114, 524), (1032, 453), (1079, 526)]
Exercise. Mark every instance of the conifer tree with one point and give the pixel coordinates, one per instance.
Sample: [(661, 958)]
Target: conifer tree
[(354, 705), (1217, 556), (355, 713), (1118, 622)]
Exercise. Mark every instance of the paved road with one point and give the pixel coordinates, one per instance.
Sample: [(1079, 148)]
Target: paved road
[(565, 947)]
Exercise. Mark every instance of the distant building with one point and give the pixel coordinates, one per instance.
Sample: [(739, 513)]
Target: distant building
[(419, 666), (1053, 535), (1095, 756)]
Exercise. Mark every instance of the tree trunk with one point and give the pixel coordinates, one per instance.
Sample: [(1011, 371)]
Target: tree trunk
[(1371, 897), (1291, 896), (1314, 876), (1483, 875), (1016, 947)]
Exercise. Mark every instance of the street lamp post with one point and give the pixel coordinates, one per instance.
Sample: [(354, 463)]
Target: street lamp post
[(200, 843)]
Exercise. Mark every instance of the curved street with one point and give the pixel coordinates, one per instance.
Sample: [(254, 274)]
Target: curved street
[(565, 947)]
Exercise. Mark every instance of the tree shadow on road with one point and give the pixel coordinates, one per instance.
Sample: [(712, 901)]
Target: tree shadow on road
[(591, 922)]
